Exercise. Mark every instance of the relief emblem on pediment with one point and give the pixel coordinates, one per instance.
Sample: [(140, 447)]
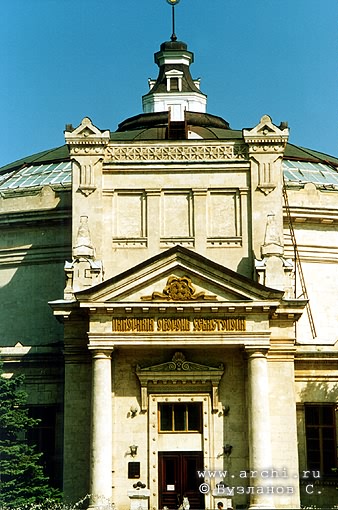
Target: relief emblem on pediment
[(179, 289)]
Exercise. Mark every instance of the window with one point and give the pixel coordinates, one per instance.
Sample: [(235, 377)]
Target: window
[(43, 435), (320, 438), (174, 84), (180, 417)]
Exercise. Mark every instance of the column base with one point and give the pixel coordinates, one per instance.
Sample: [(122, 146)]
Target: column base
[(101, 503), (257, 506), (101, 506)]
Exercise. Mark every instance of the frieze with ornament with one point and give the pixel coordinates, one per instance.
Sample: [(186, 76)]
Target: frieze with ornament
[(123, 153), (85, 150)]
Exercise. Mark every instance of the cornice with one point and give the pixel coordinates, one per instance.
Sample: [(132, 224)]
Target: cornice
[(325, 216), (38, 216), (312, 253), (34, 254)]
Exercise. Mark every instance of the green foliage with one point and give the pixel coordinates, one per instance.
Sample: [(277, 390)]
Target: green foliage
[(51, 505), (23, 481)]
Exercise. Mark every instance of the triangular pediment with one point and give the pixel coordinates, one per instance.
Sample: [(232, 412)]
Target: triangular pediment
[(86, 130), (174, 72), (266, 128), (178, 276)]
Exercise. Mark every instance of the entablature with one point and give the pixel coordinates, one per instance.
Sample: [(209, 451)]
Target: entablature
[(180, 307), (290, 309), (259, 339)]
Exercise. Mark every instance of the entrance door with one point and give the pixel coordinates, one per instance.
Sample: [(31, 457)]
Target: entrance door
[(178, 477)]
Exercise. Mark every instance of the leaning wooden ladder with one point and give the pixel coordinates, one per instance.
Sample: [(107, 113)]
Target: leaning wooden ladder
[(298, 264)]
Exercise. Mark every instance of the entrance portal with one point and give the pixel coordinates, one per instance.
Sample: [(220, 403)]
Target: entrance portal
[(178, 477)]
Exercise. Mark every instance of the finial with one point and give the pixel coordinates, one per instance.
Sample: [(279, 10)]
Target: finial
[(173, 3)]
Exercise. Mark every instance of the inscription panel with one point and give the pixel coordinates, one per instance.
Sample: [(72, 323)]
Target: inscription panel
[(178, 325)]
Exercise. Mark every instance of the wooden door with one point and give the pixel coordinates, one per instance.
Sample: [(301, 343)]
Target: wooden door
[(178, 477)]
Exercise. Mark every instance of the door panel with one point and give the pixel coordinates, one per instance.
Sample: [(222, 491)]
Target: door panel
[(169, 480), (178, 477)]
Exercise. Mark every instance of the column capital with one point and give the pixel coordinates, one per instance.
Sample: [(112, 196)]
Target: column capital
[(252, 351), (101, 352)]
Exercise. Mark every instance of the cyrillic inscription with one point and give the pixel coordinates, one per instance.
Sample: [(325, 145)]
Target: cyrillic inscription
[(133, 325), (181, 324), (178, 325), (226, 324)]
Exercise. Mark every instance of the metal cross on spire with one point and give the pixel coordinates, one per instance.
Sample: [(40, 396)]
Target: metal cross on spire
[(173, 3)]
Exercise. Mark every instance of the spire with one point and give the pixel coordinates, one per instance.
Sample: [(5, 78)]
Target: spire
[(174, 91), (173, 3)]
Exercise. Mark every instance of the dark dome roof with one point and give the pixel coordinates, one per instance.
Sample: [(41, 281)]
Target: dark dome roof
[(151, 120), (152, 127), (174, 45)]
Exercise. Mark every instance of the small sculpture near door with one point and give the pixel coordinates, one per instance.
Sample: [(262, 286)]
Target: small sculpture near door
[(185, 505)]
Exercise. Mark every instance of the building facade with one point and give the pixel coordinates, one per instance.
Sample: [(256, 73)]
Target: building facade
[(156, 285)]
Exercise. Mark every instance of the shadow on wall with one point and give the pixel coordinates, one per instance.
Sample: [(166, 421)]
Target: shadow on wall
[(25, 291), (246, 267)]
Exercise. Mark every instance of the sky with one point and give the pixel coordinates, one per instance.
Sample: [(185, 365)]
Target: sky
[(62, 60)]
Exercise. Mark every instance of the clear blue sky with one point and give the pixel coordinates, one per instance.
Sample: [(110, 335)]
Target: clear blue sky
[(62, 60)]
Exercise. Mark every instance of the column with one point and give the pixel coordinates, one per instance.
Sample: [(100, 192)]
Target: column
[(101, 430), (260, 457)]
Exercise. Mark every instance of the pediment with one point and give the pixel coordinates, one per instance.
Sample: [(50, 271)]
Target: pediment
[(266, 128), (178, 276), (86, 130), (174, 72), (178, 363), (180, 373)]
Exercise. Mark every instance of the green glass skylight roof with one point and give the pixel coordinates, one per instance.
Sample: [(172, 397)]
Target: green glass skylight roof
[(57, 174), (301, 172)]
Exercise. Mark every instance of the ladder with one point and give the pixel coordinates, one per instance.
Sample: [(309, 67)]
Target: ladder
[(298, 264)]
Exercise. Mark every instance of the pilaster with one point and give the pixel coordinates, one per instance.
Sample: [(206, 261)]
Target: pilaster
[(76, 405), (87, 145), (266, 143)]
